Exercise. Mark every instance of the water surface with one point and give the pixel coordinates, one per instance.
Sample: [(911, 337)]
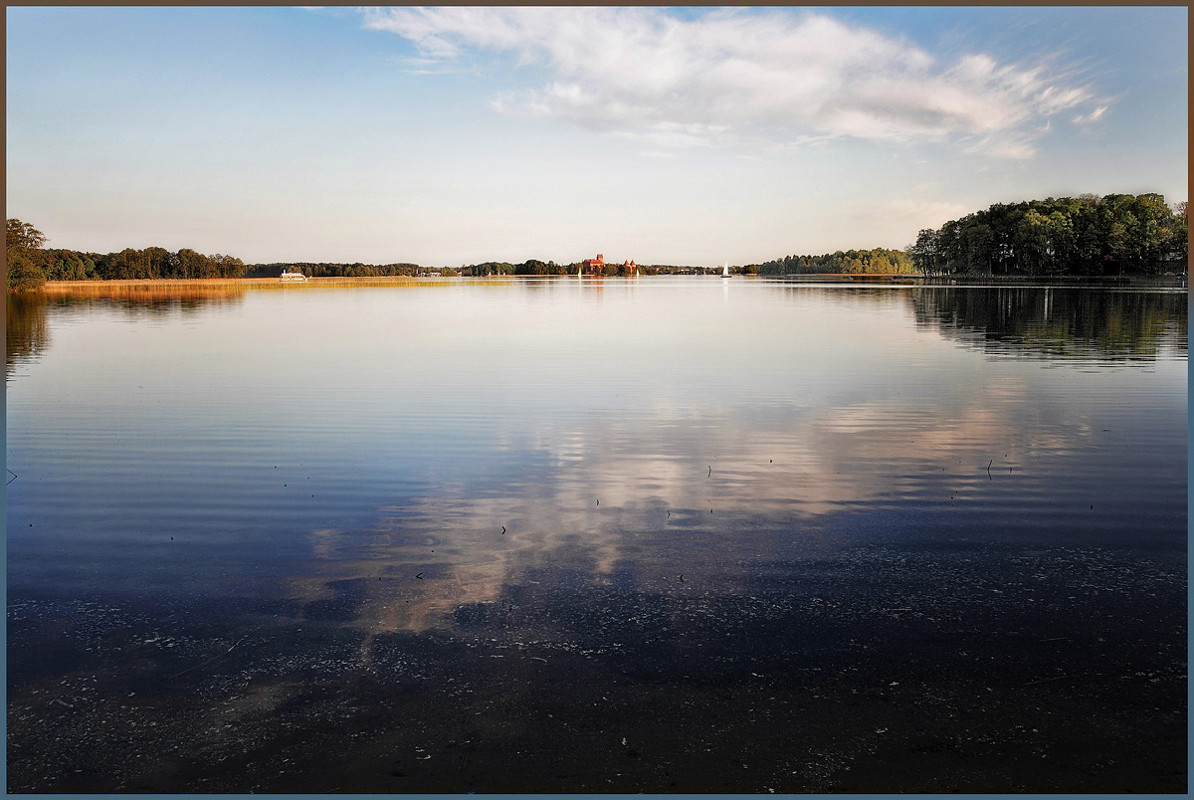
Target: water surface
[(599, 535)]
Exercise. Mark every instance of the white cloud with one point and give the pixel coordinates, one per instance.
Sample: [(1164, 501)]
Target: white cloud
[(730, 76), (1084, 119)]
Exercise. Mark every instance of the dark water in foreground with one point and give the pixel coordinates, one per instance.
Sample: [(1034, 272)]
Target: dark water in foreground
[(614, 536)]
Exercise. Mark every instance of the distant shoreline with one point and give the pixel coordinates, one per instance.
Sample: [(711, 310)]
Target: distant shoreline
[(227, 284), (242, 284)]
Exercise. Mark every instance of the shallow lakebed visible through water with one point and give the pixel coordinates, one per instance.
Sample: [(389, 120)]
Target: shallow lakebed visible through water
[(583, 535)]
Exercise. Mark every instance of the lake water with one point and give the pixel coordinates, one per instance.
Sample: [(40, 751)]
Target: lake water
[(673, 534)]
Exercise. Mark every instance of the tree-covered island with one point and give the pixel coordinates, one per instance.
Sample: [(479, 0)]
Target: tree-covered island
[(851, 262), (1084, 236), (1090, 236)]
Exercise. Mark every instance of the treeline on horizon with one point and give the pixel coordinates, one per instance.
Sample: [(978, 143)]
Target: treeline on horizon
[(323, 270), (1087, 235), (529, 267), (30, 264), (536, 267), (849, 262)]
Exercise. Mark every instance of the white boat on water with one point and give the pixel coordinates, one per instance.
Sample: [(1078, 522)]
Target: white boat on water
[(293, 276), (725, 270)]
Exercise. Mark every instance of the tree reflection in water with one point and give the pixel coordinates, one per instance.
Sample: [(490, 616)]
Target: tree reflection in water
[(1057, 322)]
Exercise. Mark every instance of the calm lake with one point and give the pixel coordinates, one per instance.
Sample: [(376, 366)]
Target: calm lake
[(653, 535)]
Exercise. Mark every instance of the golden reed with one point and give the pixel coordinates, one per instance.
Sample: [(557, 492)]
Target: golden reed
[(166, 289)]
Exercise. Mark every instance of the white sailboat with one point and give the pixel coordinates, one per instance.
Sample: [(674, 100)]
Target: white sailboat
[(725, 271)]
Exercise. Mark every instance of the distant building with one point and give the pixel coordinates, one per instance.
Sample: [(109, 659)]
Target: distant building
[(598, 264)]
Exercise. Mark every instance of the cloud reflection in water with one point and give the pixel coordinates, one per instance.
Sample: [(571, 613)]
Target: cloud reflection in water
[(666, 492)]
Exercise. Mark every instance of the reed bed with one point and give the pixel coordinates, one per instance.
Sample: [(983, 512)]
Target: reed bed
[(164, 289), (148, 290)]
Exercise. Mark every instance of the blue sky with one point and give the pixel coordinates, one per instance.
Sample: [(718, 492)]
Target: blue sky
[(449, 136)]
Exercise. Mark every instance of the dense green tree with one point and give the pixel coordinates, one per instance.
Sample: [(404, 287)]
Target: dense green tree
[(923, 251), (1087, 235), (536, 267), (978, 247), (1180, 237), (23, 274), (1032, 244), (228, 266), (67, 265), (22, 256), (22, 235)]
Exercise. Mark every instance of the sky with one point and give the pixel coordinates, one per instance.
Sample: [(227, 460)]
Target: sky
[(667, 135)]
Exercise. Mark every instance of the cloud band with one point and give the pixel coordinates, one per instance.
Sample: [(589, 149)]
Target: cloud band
[(727, 76)]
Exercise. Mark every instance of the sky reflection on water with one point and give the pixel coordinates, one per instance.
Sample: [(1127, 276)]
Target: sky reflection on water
[(628, 421), (415, 460)]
